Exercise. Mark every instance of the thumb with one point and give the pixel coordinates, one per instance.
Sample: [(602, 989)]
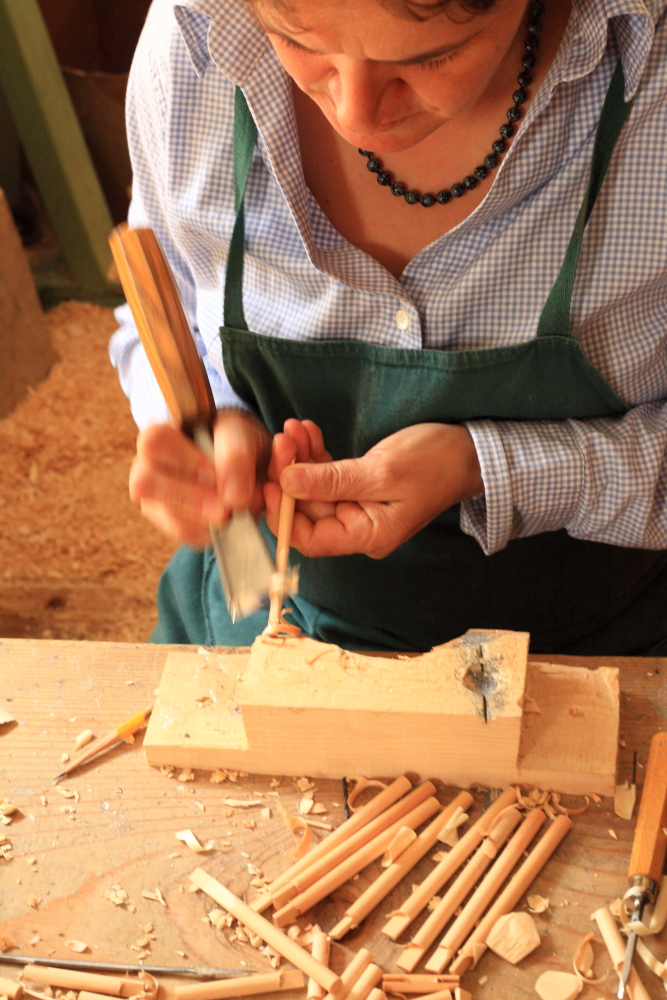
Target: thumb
[(349, 479)]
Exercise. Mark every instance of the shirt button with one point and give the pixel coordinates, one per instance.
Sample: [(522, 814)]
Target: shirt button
[(402, 319)]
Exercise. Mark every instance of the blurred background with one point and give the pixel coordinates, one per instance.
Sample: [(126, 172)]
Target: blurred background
[(76, 558)]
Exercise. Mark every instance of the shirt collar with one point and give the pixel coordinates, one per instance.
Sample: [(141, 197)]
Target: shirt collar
[(225, 32)]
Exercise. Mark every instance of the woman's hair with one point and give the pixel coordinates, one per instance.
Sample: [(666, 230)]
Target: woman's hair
[(418, 10)]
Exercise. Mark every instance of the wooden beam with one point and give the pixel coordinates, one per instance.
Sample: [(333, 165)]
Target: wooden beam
[(53, 143)]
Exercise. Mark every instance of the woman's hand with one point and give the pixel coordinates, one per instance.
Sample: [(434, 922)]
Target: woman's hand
[(179, 490), (374, 503)]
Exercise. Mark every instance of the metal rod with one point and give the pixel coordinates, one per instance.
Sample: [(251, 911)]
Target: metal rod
[(153, 970)]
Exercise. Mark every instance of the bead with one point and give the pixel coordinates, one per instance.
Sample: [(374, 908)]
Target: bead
[(536, 8), (398, 189), (411, 197), (442, 197), (519, 96), (490, 161), (534, 27), (427, 200), (531, 44), (507, 131), (513, 114), (528, 60), (374, 165), (469, 182), (384, 178), (365, 152), (498, 146), (457, 190), (479, 173), (524, 79)]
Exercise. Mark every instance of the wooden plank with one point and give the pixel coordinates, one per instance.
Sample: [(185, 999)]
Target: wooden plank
[(123, 830), (26, 351), (350, 713), (53, 143)]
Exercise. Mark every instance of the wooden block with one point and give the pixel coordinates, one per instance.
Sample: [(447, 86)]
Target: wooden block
[(26, 352), (319, 709)]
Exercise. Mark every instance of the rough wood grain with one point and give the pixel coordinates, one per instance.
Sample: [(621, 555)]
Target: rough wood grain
[(123, 830)]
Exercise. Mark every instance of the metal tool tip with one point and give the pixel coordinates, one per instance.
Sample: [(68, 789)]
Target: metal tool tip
[(58, 777)]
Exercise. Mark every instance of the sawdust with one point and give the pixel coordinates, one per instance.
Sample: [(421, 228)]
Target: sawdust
[(77, 560)]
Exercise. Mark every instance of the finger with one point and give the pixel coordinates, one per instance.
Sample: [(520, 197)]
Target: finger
[(318, 452), (239, 445), (168, 449), (299, 435), (353, 479), (272, 497), (350, 531), (183, 500), (178, 530), (283, 451)]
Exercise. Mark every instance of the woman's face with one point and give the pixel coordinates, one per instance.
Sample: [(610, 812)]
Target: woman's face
[(385, 82)]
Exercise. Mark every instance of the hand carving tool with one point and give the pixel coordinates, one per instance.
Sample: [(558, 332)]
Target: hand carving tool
[(200, 972), (243, 559), (648, 847), (124, 732)]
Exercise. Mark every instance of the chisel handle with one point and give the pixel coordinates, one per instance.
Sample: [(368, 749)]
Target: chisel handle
[(650, 843)]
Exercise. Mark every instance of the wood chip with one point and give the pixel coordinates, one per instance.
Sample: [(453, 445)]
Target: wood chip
[(6, 944), (187, 774), (400, 842), (305, 805), (217, 777), (266, 813), (625, 797), (558, 986), (187, 837), (243, 803), (83, 738), (249, 824), (7, 808), (64, 757), (167, 770), (68, 793), (75, 945), (513, 936), (156, 896), (537, 904), (33, 902), (116, 895), (5, 717), (612, 833), (319, 808)]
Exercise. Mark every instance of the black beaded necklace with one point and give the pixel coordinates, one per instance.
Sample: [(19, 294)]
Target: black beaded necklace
[(397, 188)]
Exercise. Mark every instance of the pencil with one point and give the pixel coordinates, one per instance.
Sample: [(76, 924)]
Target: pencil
[(123, 732)]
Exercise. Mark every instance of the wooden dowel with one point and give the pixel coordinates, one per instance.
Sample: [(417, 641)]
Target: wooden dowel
[(279, 578), (367, 981), (69, 979), (441, 995), (475, 946), (458, 891), (348, 868), (319, 950), (393, 983), (483, 895), (615, 944), (87, 995), (242, 986), (351, 972), (10, 988), (444, 870), (334, 857), (392, 875), (378, 804), (376, 994), (289, 949)]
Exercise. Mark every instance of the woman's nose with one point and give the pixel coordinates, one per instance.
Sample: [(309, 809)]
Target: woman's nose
[(359, 91)]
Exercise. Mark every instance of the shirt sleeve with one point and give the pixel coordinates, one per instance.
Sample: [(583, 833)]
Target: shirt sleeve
[(147, 101), (602, 479)]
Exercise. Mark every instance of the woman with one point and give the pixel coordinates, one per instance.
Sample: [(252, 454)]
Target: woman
[(419, 343)]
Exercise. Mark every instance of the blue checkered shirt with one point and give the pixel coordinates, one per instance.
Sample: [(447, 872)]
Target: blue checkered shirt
[(481, 285)]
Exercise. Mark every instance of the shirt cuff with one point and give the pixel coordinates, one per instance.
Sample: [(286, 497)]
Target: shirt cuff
[(533, 473)]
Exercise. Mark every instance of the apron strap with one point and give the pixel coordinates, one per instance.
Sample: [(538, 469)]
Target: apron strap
[(245, 138), (555, 318)]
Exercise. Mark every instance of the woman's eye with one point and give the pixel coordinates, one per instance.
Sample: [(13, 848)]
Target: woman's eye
[(436, 63)]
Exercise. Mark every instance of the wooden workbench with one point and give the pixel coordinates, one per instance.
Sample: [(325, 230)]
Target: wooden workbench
[(123, 829)]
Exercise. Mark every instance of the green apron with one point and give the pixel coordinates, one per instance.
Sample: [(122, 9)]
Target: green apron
[(571, 595)]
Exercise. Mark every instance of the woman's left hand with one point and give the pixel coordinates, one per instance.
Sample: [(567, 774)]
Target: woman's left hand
[(374, 503)]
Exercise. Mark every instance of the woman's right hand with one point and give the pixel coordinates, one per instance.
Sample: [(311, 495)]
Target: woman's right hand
[(180, 491)]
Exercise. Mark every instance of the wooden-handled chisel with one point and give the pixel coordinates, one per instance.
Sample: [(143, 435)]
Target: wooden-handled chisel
[(648, 847), (152, 294)]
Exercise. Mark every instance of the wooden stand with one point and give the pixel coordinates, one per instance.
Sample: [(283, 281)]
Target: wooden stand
[(472, 711)]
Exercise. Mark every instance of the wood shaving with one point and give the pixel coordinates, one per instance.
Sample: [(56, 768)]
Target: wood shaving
[(537, 904), (565, 810), (243, 803), (296, 823), (7, 808), (75, 945), (433, 903), (68, 793), (319, 808), (35, 939), (275, 782), (317, 824), (305, 805), (200, 805), (361, 784), (582, 963), (249, 824), (228, 813), (188, 838), (167, 770), (116, 895), (187, 774), (217, 777), (204, 701), (31, 860), (450, 834), (612, 833), (33, 902), (558, 986), (68, 810), (5, 717), (400, 842), (266, 813), (220, 919), (513, 936), (155, 896), (6, 944), (625, 796), (83, 738)]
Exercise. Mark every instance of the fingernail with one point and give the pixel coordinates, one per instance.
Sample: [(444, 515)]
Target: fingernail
[(297, 481)]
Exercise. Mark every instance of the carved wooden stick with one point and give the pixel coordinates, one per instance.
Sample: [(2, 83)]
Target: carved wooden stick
[(278, 584), (242, 986), (366, 982), (351, 973), (320, 950), (394, 983), (458, 891), (378, 804), (481, 898), (344, 871), (475, 946), (275, 938), (616, 948), (69, 979), (376, 994), (10, 988), (396, 871), (444, 870), (325, 863)]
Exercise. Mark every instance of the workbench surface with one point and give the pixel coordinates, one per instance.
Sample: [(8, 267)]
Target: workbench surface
[(122, 832)]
